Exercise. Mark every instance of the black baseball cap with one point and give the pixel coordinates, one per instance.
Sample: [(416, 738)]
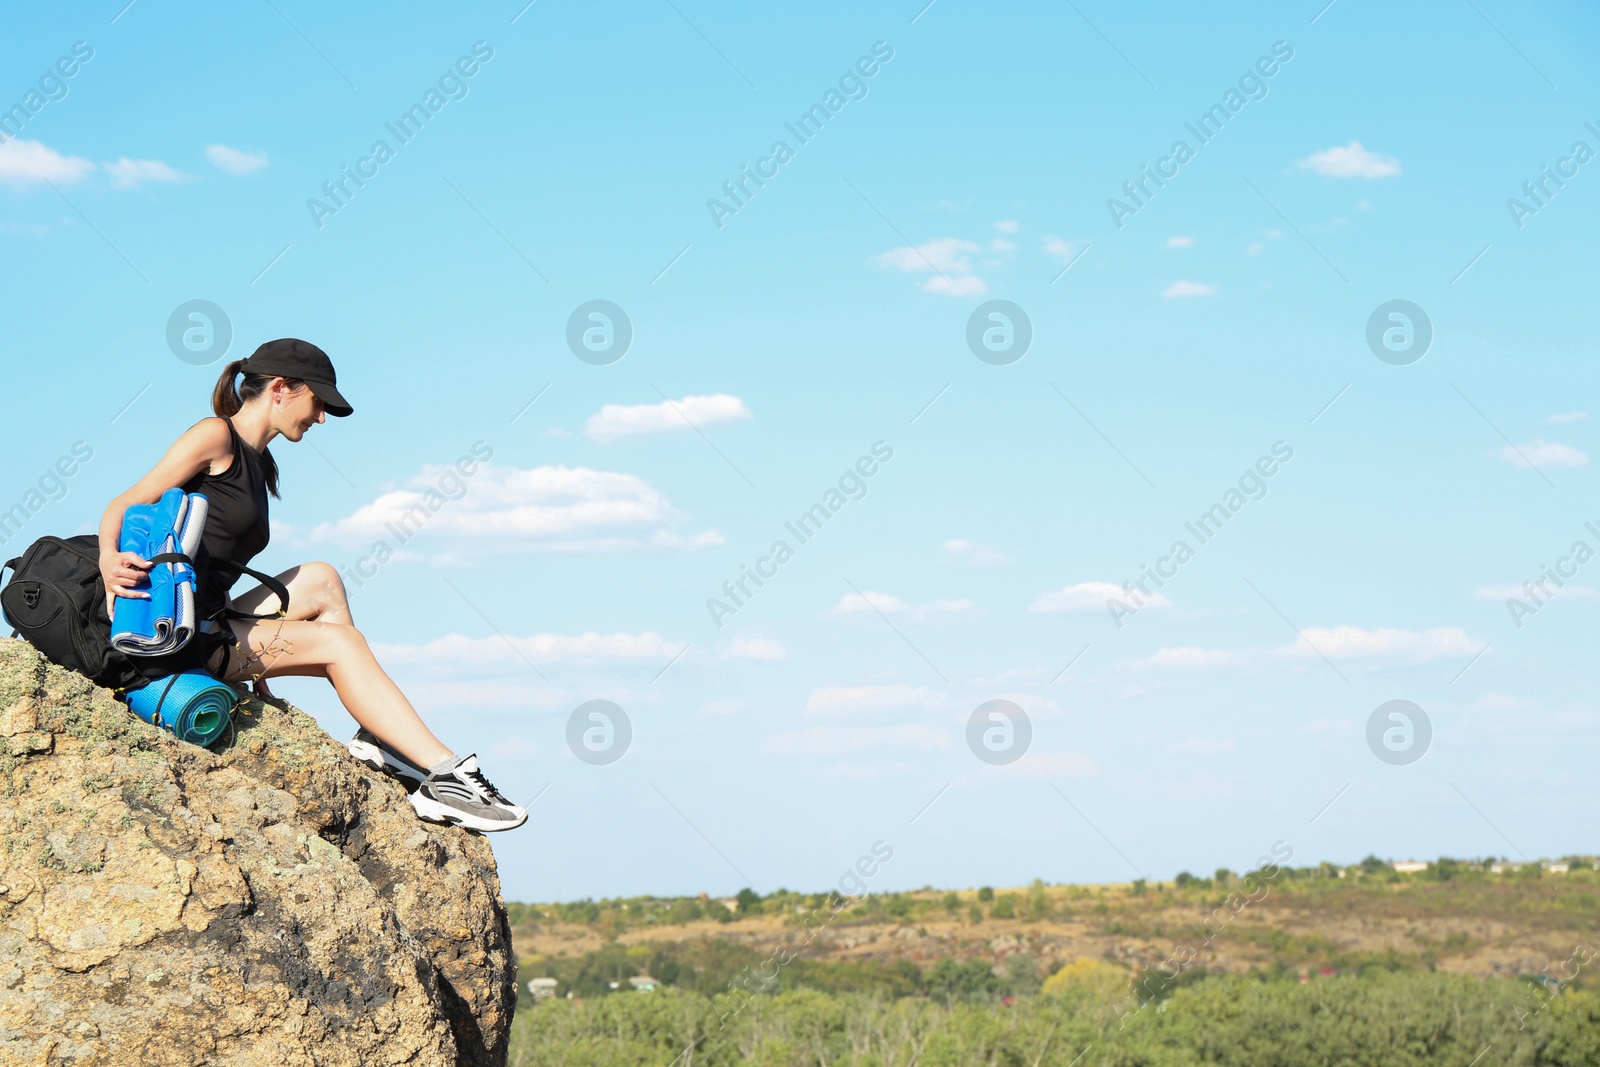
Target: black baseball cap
[(294, 358)]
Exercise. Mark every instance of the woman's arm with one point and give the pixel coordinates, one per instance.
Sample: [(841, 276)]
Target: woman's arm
[(200, 445)]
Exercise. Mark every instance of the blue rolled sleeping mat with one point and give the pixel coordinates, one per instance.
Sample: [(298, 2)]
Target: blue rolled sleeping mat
[(165, 622), (192, 705)]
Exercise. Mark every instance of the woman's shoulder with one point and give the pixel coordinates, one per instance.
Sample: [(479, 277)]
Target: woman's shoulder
[(214, 431), (210, 439)]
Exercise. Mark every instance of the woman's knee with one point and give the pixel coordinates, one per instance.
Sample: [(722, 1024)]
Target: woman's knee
[(328, 596), (342, 641)]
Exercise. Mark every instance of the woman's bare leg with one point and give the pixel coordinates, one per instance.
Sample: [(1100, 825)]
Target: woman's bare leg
[(316, 592), (324, 642)]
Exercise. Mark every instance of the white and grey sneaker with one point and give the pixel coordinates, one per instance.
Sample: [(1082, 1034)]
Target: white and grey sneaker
[(460, 794), (369, 749)]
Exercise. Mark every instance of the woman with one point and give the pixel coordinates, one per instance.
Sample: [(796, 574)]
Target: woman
[(289, 386)]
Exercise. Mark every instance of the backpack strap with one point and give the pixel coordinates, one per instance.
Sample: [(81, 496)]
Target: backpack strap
[(11, 565), (155, 716), (276, 587), (267, 580)]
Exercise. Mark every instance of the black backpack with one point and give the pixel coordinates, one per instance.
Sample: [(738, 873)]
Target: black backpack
[(56, 599)]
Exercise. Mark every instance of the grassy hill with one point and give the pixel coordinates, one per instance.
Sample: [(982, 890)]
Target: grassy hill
[(1456, 917)]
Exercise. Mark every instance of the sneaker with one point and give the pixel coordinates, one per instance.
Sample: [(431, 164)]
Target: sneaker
[(462, 795), (367, 748)]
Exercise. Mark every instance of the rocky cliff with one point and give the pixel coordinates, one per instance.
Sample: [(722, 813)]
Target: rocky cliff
[(274, 902)]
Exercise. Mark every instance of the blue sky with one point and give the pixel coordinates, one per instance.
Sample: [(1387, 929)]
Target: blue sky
[(1225, 317)]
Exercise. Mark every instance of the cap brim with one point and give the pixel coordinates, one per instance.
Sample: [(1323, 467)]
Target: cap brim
[(333, 402)]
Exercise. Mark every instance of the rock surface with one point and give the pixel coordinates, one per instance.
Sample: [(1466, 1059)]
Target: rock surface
[(274, 902)]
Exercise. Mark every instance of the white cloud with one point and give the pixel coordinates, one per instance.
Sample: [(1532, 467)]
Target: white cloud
[(233, 161), (947, 258), (22, 162), (1086, 598), (1000, 244), (1402, 646), (1568, 416), (458, 654), (632, 420), (1187, 659), (872, 699), (1182, 288), (1201, 746), (963, 551), (1384, 646), (128, 173), (1365, 205), (1499, 702), (724, 707), (747, 646), (852, 603), (1351, 161), (1254, 248), (1330, 726), (1052, 765), (1542, 454), (509, 509), (1007, 226), (1179, 242), (1062, 249), (449, 697), (838, 740), (1550, 591), (956, 285)]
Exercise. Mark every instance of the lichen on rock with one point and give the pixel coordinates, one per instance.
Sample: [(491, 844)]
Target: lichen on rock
[(272, 901)]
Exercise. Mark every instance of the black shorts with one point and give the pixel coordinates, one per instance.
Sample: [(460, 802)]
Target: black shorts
[(217, 662), (219, 655)]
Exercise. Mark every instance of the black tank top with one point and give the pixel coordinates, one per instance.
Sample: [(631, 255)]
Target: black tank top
[(236, 521)]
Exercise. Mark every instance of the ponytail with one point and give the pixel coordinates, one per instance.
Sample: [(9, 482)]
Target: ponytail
[(226, 400)]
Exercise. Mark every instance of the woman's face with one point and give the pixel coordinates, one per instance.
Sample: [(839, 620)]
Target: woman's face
[(300, 410)]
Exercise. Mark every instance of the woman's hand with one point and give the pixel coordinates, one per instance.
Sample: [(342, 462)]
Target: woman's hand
[(123, 571)]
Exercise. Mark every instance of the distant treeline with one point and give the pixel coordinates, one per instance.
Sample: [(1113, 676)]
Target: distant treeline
[(1396, 1019)]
